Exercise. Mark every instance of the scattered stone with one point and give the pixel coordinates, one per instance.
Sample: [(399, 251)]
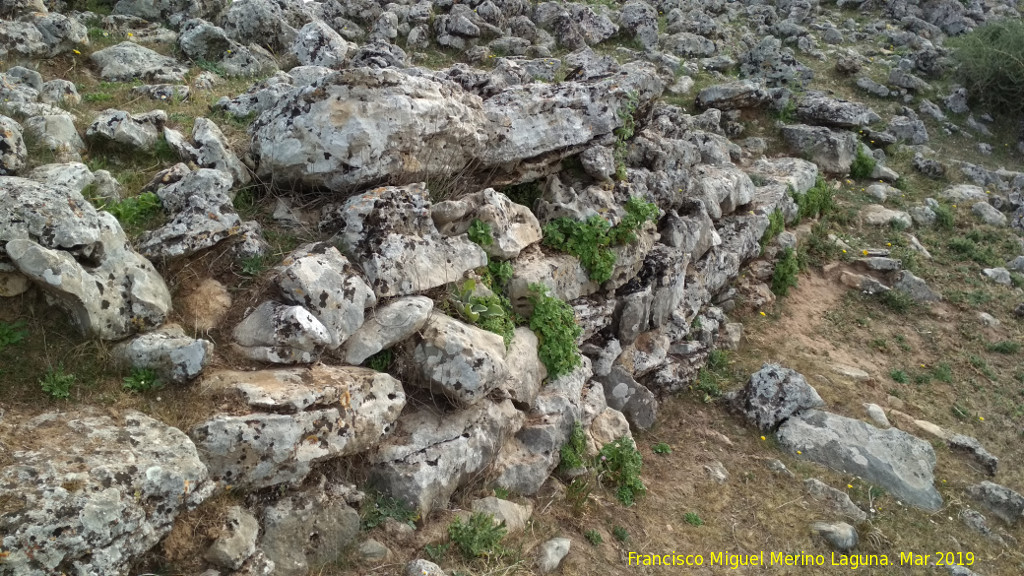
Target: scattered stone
[(128, 61), (717, 472), (998, 275), (972, 446), (738, 95), (774, 394), (173, 356), (515, 516), (236, 541), (878, 215), (371, 550), (140, 132), (1003, 502), (202, 214), (832, 151), (423, 568), (836, 499), (823, 110), (513, 226), (839, 535), (282, 334), (877, 415), (551, 553), (12, 147), (387, 326), (915, 287), (988, 214), (628, 396)]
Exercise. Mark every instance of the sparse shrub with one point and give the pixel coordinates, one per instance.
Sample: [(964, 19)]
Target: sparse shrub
[(776, 224), (575, 449), (1004, 347), (899, 376), (943, 373), (478, 537), (376, 508), (707, 384), (620, 533), (897, 300), (380, 361), (619, 464), (254, 265), (554, 322), (863, 165), (944, 218), (57, 383), (991, 63), (594, 537), (693, 519), (525, 194), (786, 270), (500, 492), (12, 333), (625, 133), (638, 212), (818, 201), (661, 448), (968, 248), (480, 232), (142, 380)]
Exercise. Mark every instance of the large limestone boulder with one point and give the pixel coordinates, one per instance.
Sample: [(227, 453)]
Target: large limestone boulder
[(81, 257), (128, 61), (89, 493), (433, 453), (293, 419), (387, 326), (282, 334), (898, 462), (736, 95), (389, 232), (832, 151), (773, 394), (821, 109)]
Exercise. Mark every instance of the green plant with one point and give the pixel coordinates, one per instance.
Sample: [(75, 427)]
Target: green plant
[(944, 218), (897, 300), (57, 383), (707, 384), (478, 537), (594, 537), (137, 212), (254, 265), (983, 254), (943, 373), (210, 67), (525, 194), (554, 322), (437, 551), (661, 448), (625, 133), (863, 165), (480, 232), (1004, 347), (376, 508), (500, 272), (620, 533), (503, 493), (142, 380), (638, 212), (619, 464), (979, 363), (12, 333), (693, 519), (575, 449), (899, 376), (492, 312), (991, 62), (380, 361), (818, 201), (577, 493), (776, 224), (786, 270)]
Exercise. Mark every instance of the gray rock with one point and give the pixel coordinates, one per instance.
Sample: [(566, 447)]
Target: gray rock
[(270, 24), (832, 151), (551, 553), (423, 568), (259, 97), (433, 454), (878, 215), (73, 175), (462, 362), (640, 20), (214, 152), (964, 193), (628, 396), (41, 35), (737, 95), (922, 215), (387, 326), (319, 278), (988, 214), (201, 40), (317, 44), (173, 12), (50, 231), (839, 535), (689, 45), (836, 499), (904, 79), (306, 530), (598, 162), (910, 130), (58, 133), (281, 334), (774, 394), (94, 492), (972, 446), (371, 550), (821, 109), (128, 61), (1002, 501), (513, 226), (174, 356), (201, 215), (998, 275), (956, 102), (296, 419), (12, 147), (515, 516), (877, 414), (526, 372), (722, 188), (140, 132), (1016, 265), (237, 539), (890, 458)]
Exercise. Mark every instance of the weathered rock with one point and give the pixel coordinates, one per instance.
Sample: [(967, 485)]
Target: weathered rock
[(907, 129), (462, 362), (94, 493), (974, 448), (12, 147), (297, 418), (58, 133), (174, 356), (41, 35), (432, 454), (628, 396), (515, 516), (202, 215), (319, 278), (128, 61), (316, 44), (423, 568), (73, 175), (875, 412), (307, 529), (737, 95), (387, 326), (81, 257), (526, 372), (140, 132), (201, 40), (640, 20), (390, 234), (915, 287), (832, 151), (836, 499), (821, 109), (878, 215), (1005, 503), (964, 193), (988, 214), (237, 539), (998, 275), (267, 23), (513, 226), (840, 535), (551, 553), (890, 458), (281, 334), (173, 12), (214, 152), (774, 394)]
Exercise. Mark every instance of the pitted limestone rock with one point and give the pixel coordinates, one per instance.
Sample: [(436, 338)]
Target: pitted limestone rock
[(513, 226), (128, 61), (282, 334), (296, 418), (774, 394), (202, 215), (174, 356), (140, 132), (387, 326)]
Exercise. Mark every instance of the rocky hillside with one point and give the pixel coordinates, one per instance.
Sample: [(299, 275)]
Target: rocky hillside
[(509, 287)]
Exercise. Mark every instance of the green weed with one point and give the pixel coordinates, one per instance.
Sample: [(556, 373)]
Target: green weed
[(786, 270), (863, 165), (478, 537), (380, 361), (142, 380), (693, 519), (620, 533), (661, 448), (554, 322), (574, 452), (377, 508), (480, 232), (619, 464), (12, 333), (57, 383), (594, 537), (899, 376)]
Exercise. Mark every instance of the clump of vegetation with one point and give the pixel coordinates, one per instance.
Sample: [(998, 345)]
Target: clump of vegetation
[(944, 217), (897, 300), (594, 537), (661, 448), (491, 312), (136, 213), (625, 133), (899, 376), (619, 464), (620, 533), (525, 194), (786, 270), (254, 265), (380, 361), (818, 201), (863, 165), (376, 508), (478, 537), (943, 373), (142, 380), (592, 239), (554, 322), (12, 333), (577, 493), (693, 519), (991, 62), (1004, 347), (480, 232), (498, 273), (982, 254), (57, 383), (574, 452), (776, 224)]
